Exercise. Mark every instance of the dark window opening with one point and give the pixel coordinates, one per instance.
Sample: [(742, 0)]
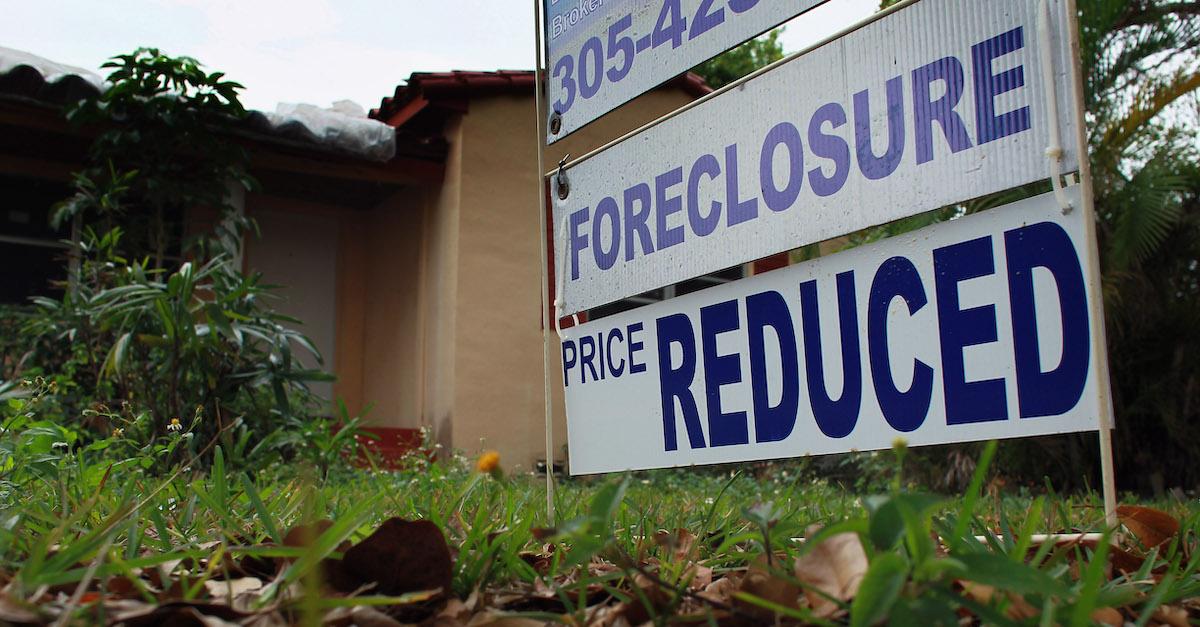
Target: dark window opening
[(33, 257), (663, 293)]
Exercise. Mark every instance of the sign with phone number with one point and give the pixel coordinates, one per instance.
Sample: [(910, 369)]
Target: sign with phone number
[(604, 53)]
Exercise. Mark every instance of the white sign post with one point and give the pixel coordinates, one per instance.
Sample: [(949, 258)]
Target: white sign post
[(880, 124), (604, 53)]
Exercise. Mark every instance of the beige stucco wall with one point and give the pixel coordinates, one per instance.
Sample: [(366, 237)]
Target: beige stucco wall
[(498, 365), (438, 295)]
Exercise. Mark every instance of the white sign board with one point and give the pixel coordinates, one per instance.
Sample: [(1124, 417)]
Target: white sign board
[(936, 103), (974, 329), (604, 53)]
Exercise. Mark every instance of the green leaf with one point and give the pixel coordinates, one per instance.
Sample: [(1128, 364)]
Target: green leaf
[(879, 590), (887, 524), (1000, 572), (607, 499)]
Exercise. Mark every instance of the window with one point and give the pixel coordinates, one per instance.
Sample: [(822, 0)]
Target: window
[(32, 255)]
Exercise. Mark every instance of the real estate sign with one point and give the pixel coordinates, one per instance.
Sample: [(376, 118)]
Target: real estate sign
[(973, 329), (604, 53), (931, 104)]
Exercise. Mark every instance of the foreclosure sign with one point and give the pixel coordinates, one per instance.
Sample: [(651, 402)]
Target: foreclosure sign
[(603, 53), (936, 103), (974, 329)]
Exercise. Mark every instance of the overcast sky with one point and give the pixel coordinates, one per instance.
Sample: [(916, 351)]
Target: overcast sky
[(317, 51)]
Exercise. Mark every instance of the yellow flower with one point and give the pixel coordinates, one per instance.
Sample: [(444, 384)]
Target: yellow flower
[(175, 425), (489, 462), (118, 432)]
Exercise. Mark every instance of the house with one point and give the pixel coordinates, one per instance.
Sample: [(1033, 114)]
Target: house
[(407, 242)]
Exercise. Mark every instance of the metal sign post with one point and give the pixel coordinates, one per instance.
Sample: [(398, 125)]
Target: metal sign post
[(539, 101), (1094, 279)]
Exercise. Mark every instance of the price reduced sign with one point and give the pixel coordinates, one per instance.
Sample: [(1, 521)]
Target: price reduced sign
[(604, 53), (973, 329)]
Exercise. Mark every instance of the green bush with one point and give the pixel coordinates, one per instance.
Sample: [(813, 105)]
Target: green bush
[(154, 335)]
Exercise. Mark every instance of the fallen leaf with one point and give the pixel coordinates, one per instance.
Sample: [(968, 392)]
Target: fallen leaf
[(835, 566), (1108, 616), (304, 535), (1171, 615), (17, 612), (359, 616), (495, 619), (679, 544), (761, 583), (1151, 526), (402, 556), (1018, 608), (232, 588), (720, 591)]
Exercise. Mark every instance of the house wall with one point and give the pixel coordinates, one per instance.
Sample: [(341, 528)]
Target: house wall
[(297, 250), (437, 297), (498, 396)]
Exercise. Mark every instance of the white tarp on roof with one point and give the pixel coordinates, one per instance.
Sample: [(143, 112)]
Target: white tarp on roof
[(51, 72), (344, 128)]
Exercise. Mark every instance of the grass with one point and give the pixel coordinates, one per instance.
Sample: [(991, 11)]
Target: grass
[(80, 533)]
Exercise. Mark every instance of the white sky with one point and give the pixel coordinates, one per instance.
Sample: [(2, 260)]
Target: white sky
[(316, 51)]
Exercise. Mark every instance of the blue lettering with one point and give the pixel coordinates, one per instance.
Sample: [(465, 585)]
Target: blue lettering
[(769, 309), (587, 352), (988, 125), (568, 361), (702, 225), (949, 70), (832, 147), (666, 206), (905, 411), (872, 167), (578, 243), (974, 401), (737, 211), (675, 382), (606, 258), (836, 419), (635, 221), (1047, 245), (613, 368), (789, 137), (634, 348), (724, 428)]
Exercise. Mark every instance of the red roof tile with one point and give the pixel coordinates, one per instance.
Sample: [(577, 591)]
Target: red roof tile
[(424, 87)]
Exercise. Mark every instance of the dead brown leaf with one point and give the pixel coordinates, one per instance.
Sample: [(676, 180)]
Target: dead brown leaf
[(1151, 526), (225, 591), (678, 544), (760, 582), (496, 619), (835, 567), (402, 556), (1018, 608), (359, 616), (1108, 616), (1172, 615), (17, 612)]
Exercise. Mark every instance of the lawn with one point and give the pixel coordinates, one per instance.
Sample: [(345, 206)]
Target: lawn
[(86, 540)]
